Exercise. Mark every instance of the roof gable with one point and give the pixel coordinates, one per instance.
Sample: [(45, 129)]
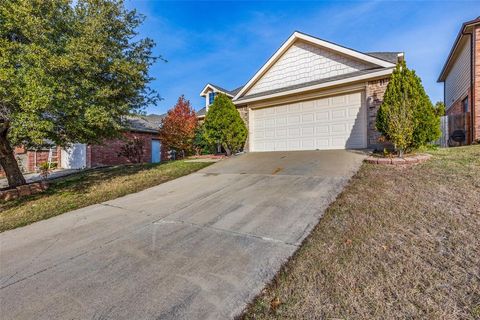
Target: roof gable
[(214, 88), (457, 45), (318, 59)]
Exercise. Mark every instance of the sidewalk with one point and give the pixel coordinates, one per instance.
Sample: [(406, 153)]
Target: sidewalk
[(32, 177)]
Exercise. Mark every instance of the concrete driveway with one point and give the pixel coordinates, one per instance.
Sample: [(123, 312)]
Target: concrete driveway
[(199, 247)]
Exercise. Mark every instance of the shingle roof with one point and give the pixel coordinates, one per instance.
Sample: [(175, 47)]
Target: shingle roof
[(235, 91), (387, 56), (231, 92), (311, 83), (150, 123), (201, 112)]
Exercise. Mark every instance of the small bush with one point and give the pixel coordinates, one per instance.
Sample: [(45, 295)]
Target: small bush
[(406, 116), (133, 150), (224, 125)]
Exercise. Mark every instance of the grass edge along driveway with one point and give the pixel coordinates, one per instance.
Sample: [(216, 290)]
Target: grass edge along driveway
[(398, 243), (90, 187)]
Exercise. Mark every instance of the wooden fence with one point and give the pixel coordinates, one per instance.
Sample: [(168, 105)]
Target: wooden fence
[(455, 130)]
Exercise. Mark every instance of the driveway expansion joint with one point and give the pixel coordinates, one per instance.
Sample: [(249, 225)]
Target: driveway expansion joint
[(249, 235)]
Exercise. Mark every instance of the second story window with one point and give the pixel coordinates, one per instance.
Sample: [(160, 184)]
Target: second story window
[(211, 97), (465, 104)]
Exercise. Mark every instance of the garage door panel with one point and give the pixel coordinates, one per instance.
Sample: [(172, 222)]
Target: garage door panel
[(270, 133), (308, 132), (308, 118), (293, 108), (339, 114), (294, 132), (323, 116), (293, 119), (322, 130), (322, 103), (281, 133), (308, 106), (329, 123), (281, 121), (281, 145), (308, 144)]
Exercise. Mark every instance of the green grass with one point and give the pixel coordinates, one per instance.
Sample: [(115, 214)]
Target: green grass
[(398, 243), (90, 187)]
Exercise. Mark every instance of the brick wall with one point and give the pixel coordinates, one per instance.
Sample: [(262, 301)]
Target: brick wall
[(106, 154), (374, 96), (243, 110), (457, 107), (476, 122), (36, 158)]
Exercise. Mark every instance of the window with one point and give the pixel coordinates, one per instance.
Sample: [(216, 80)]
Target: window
[(211, 97), (465, 104)]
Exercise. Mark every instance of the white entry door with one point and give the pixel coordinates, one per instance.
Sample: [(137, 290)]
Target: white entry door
[(337, 122), (74, 157)]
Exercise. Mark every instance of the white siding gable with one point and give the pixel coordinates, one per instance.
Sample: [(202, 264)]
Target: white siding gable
[(458, 78), (305, 62)]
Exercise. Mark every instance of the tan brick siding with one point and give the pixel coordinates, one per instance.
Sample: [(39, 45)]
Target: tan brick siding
[(244, 110), (374, 96)]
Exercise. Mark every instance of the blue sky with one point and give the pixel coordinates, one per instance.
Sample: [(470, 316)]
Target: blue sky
[(225, 43)]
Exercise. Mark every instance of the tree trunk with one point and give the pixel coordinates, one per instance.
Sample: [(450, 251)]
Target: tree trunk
[(7, 159), (227, 150)]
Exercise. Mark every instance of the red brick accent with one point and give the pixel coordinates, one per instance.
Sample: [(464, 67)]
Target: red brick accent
[(36, 157), (374, 95), (476, 83), (106, 154), (457, 107)]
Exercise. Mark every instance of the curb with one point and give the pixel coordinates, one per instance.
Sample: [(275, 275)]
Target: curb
[(399, 161)]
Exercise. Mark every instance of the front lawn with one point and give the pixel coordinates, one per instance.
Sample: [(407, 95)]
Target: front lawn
[(90, 187), (398, 243)]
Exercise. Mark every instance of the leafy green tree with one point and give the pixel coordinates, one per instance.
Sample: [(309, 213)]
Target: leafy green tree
[(200, 143), (70, 71), (440, 108), (224, 125), (406, 116)]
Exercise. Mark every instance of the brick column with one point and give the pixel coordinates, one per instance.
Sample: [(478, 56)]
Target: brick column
[(243, 110), (374, 97)]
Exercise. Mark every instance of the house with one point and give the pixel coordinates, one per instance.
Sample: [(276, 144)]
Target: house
[(312, 95), (461, 78), (145, 128), (79, 156), (209, 92)]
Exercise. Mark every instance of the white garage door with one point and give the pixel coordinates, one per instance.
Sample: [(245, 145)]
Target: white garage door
[(336, 122)]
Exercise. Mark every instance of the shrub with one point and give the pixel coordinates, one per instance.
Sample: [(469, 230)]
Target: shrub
[(200, 143), (224, 125), (133, 150), (406, 116)]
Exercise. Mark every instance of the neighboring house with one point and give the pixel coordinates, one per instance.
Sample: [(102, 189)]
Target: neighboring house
[(209, 92), (461, 78), (313, 94), (80, 156), (145, 128)]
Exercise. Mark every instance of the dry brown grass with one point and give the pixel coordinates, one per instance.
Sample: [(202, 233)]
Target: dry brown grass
[(398, 243)]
